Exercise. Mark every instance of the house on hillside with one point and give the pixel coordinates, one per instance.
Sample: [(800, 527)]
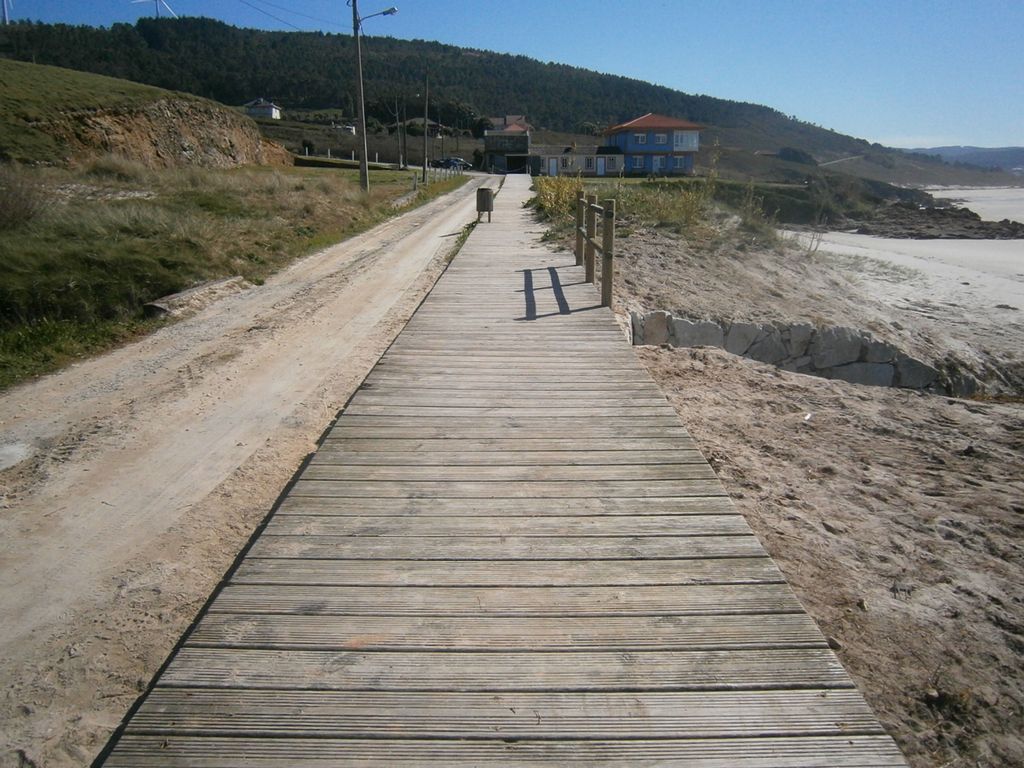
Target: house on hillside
[(655, 144), (263, 108), (507, 150), (506, 122)]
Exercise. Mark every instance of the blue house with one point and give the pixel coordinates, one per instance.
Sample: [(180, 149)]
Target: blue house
[(654, 144)]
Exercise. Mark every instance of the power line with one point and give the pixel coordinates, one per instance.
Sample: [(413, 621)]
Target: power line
[(303, 15), (275, 18)]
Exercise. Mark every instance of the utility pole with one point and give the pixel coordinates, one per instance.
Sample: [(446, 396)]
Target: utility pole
[(364, 168), (426, 120)]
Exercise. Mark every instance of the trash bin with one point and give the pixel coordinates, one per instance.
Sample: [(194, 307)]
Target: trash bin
[(484, 202)]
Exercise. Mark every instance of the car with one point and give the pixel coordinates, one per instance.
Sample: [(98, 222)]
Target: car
[(452, 162)]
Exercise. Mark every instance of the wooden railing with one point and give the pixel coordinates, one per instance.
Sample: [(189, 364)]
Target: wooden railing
[(588, 212)]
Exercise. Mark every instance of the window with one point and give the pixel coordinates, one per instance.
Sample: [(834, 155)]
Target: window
[(565, 162), (640, 138), (638, 161), (612, 164), (680, 162), (685, 140), (661, 138), (589, 163)]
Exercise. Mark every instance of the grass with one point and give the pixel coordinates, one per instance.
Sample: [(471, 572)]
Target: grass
[(40, 95), (116, 235)]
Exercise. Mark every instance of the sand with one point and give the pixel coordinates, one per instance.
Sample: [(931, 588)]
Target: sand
[(991, 203)]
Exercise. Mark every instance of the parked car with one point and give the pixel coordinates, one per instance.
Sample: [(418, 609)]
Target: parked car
[(452, 162)]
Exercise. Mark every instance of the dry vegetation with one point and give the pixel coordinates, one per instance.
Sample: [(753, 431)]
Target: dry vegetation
[(84, 249)]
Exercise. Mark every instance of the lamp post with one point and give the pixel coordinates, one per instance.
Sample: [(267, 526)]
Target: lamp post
[(357, 24)]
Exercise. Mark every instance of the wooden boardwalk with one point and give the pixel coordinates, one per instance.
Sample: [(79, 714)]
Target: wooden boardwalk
[(507, 551)]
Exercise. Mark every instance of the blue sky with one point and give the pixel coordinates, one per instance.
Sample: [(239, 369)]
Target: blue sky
[(900, 72)]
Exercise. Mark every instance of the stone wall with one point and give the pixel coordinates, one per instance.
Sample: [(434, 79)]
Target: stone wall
[(832, 352)]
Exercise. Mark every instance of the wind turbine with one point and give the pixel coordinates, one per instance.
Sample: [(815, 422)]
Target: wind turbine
[(7, 5), (157, 4)]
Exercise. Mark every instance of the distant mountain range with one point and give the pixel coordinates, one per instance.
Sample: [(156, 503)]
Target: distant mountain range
[(1006, 158)]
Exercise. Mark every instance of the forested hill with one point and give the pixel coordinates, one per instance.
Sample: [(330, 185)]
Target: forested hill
[(315, 70)]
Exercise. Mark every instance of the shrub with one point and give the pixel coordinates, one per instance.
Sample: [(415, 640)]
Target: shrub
[(22, 198), (556, 195)]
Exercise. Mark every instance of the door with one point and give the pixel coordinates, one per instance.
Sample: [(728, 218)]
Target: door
[(552, 166), (600, 166), (656, 160)]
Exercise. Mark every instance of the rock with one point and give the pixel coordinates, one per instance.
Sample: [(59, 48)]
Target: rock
[(769, 347), (869, 374), (835, 346), (963, 384), (833, 643), (656, 328), (835, 530), (862, 604), (876, 351), (913, 374), (699, 333), (637, 324), (740, 337), (799, 338)]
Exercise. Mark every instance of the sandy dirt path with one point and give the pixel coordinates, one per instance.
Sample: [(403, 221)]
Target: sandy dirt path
[(142, 472)]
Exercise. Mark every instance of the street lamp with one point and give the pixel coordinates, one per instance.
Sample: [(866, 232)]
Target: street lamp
[(357, 23)]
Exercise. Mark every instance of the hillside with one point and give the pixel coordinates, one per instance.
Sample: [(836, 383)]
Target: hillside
[(305, 70), (1005, 158), (52, 115)]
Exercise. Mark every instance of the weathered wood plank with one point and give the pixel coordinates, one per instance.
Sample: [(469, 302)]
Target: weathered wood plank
[(499, 633), (570, 473), (337, 452), (595, 448), (698, 599), (507, 573), (507, 547), (157, 751), (576, 526), (495, 490), (523, 671), (358, 714), (534, 507)]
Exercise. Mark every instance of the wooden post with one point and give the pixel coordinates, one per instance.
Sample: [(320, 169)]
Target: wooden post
[(581, 203), (607, 253), (588, 249)]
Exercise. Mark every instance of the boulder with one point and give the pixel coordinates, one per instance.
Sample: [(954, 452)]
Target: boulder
[(740, 337), (913, 374), (637, 325), (799, 338), (656, 328), (699, 333), (835, 346), (769, 347), (869, 374), (876, 351)]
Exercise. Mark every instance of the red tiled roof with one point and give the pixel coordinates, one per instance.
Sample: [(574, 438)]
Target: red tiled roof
[(651, 121)]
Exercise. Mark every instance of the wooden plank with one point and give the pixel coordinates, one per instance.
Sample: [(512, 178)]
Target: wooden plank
[(171, 751), (337, 452), (493, 490), (506, 548), (411, 430), (523, 671), (698, 599), (595, 448), (499, 633), (533, 507), (507, 573), (360, 714), (575, 526), (570, 473)]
